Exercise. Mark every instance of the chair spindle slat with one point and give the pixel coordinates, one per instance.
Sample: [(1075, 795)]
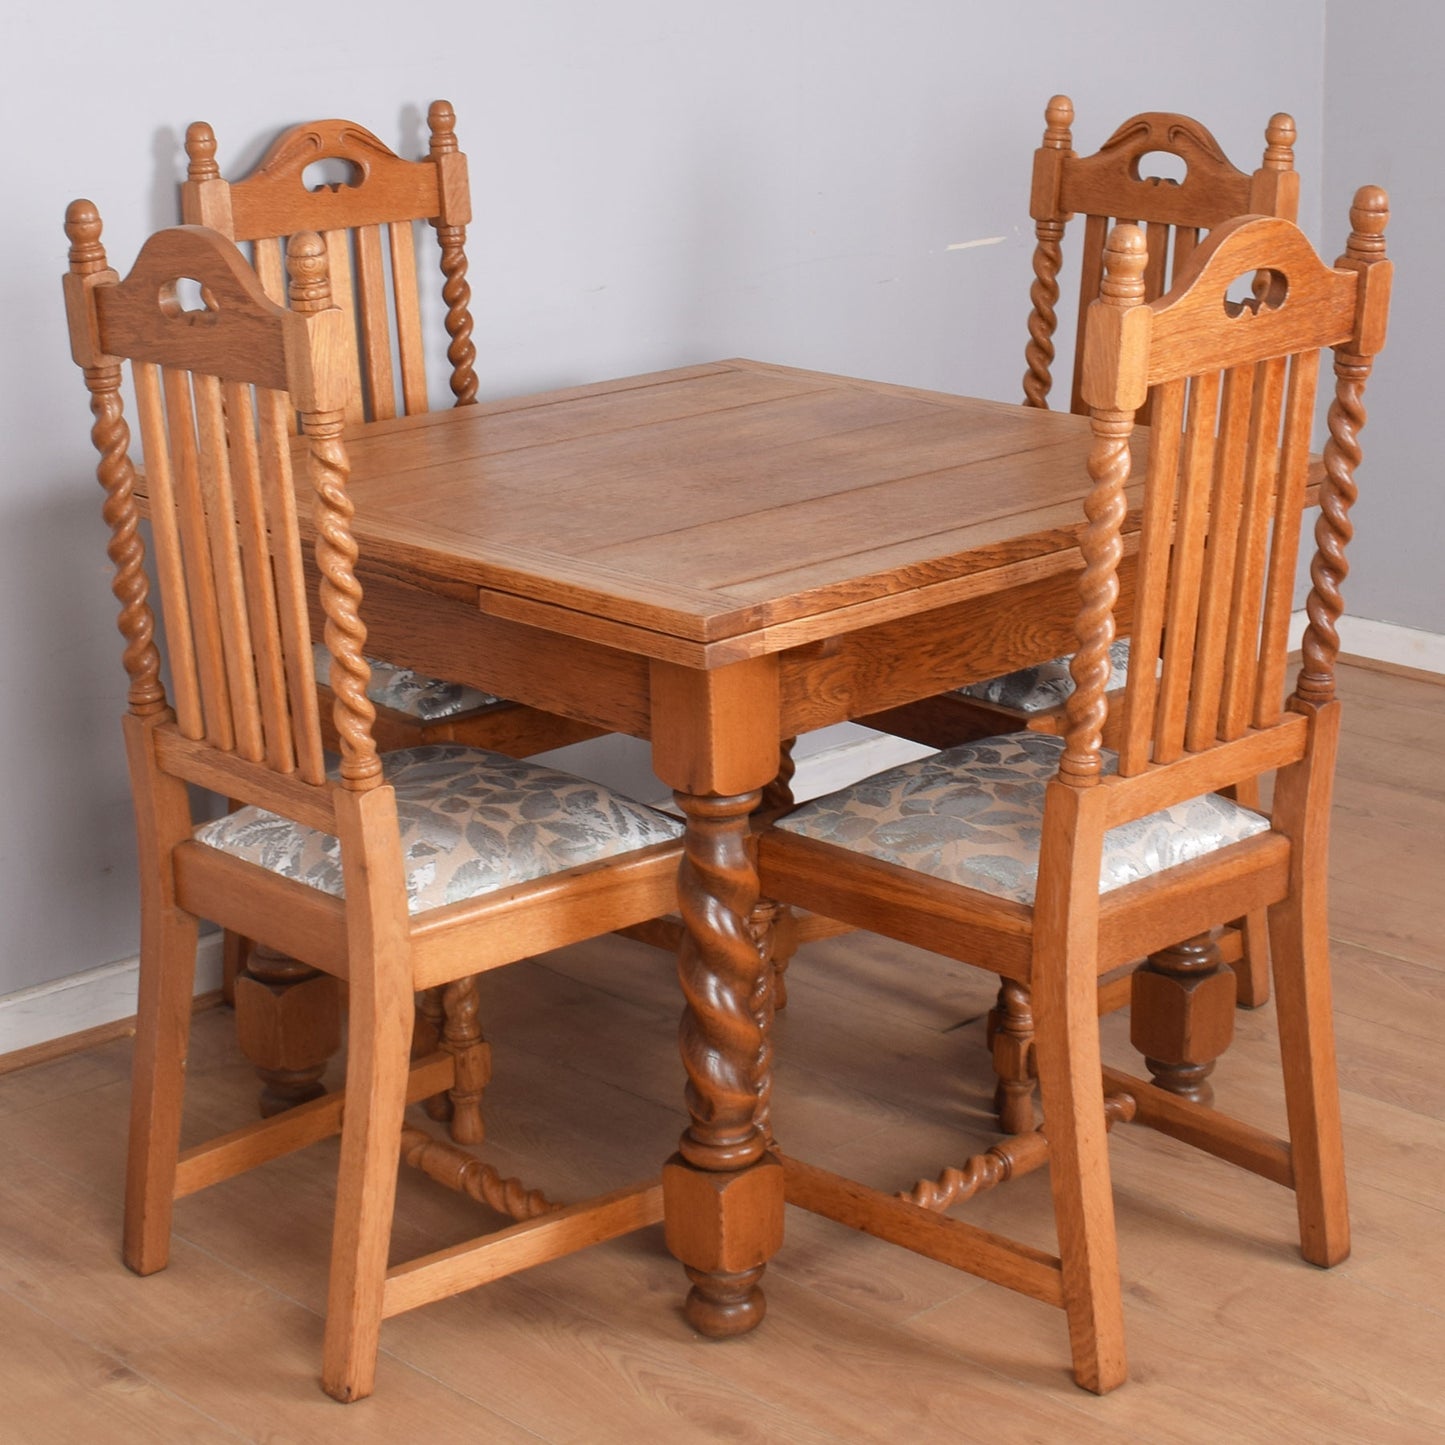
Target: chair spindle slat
[(200, 564), (1220, 554), (409, 342), (268, 259), (1242, 659), (1186, 566), (1157, 236), (232, 611), (1091, 274), (1285, 540), (1141, 693), (278, 488), (338, 264), (260, 583), (380, 390), (1186, 238), (170, 570)]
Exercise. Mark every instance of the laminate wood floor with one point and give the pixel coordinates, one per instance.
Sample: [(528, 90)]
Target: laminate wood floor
[(882, 1072)]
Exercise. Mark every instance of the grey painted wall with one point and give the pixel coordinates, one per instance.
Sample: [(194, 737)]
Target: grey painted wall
[(1384, 71), (656, 182)]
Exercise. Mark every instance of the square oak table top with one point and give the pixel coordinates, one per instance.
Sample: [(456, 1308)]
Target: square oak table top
[(722, 511)]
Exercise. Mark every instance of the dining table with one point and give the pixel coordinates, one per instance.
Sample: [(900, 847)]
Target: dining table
[(717, 558)]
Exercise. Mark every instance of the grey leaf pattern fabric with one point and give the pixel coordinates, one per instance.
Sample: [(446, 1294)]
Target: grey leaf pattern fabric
[(973, 815), (472, 821), (1046, 684), (428, 699)]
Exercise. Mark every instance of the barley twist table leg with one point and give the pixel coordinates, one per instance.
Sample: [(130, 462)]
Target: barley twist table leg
[(724, 1192)]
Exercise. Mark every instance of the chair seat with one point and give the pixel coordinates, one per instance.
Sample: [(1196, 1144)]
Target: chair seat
[(972, 815), (428, 699), (471, 821), (1045, 684)]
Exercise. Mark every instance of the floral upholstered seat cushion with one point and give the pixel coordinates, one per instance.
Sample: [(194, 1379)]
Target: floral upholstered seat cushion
[(973, 814), (472, 821), (1046, 684), (428, 699)]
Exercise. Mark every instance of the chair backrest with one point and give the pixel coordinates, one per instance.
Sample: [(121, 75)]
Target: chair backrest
[(1111, 186), (1227, 473), (368, 222), (217, 389)]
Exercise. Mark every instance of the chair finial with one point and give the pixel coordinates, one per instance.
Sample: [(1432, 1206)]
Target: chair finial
[(1279, 136), (1058, 117), (82, 227), (1126, 254), (310, 289), (201, 152), (443, 122), (1369, 215)]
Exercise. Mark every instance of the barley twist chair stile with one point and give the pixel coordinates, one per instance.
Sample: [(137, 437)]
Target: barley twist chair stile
[(328, 868), (1051, 859)]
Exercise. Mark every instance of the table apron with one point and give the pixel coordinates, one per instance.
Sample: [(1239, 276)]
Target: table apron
[(448, 637), (848, 676), (918, 656)]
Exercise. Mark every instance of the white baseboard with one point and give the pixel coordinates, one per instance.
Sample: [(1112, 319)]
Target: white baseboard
[(834, 767), (87, 1000), (1382, 642), (838, 766)]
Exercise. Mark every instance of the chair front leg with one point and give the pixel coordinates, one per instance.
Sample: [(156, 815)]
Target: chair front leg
[(383, 1023), (1071, 1093), (378, 1061), (1064, 990)]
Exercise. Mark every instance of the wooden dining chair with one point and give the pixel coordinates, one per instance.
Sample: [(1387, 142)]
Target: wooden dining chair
[(1114, 183), (396, 872), (1050, 860), (369, 204)]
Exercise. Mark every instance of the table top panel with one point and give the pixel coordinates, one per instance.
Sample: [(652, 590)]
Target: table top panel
[(719, 500)]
